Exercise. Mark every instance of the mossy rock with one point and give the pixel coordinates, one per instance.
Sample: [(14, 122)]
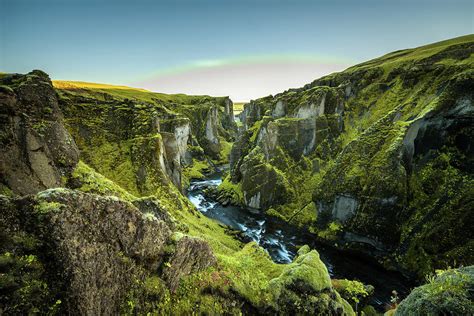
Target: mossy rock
[(448, 293)]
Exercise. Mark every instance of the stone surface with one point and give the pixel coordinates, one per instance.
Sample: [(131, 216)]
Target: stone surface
[(304, 287), (191, 255), (95, 246), (36, 150), (344, 207)]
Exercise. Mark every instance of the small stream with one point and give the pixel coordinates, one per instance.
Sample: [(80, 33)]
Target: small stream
[(282, 240)]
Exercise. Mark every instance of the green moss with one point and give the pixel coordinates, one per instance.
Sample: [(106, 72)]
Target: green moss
[(5, 190), (278, 214), (447, 293), (331, 232), (112, 160), (438, 180), (252, 271), (255, 129), (93, 182), (44, 207), (23, 280), (255, 277), (231, 190), (196, 170), (307, 269), (224, 153), (154, 287), (351, 291)]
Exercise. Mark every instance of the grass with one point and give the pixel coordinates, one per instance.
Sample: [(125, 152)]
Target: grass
[(94, 182), (122, 92), (390, 60)]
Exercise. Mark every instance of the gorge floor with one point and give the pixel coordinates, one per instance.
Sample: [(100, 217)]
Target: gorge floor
[(282, 240)]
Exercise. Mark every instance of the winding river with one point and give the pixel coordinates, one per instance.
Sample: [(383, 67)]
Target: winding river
[(281, 241)]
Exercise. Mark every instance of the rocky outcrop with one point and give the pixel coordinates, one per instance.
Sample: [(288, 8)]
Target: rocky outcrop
[(93, 247), (212, 121), (252, 113), (181, 130), (122, 139), (36, 150), (306, 284), (294, 130), (227, 117), (262, 184)]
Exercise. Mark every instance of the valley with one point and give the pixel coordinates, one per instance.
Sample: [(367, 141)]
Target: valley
[(318, 200)]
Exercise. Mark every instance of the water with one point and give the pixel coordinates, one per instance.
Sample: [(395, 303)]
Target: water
[(281, 241)]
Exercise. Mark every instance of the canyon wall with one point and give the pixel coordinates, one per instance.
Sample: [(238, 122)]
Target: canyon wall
[(376, 158)]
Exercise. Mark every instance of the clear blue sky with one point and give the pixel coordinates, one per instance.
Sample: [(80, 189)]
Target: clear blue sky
[(201, 43)]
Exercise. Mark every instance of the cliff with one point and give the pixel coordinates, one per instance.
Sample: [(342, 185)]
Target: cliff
[(376, 158), (145, 137)]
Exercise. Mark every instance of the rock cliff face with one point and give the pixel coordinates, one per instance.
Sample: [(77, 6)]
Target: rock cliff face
[(212, 120), (381, 151), (37, 151), (143, 137), (95, 245)]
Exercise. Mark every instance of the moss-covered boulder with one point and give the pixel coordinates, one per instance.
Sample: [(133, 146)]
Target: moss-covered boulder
[(307, 273), (191, 255), (88, 251), (304, 288), (448, 293)]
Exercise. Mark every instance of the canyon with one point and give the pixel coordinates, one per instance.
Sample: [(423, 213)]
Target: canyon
[(100, 213)]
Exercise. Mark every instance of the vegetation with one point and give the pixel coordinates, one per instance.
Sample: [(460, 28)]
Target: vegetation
[(449, 292), (362, 142), (349, 141)]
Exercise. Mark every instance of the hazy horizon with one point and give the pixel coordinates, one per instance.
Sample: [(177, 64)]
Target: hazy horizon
[(245, 50)]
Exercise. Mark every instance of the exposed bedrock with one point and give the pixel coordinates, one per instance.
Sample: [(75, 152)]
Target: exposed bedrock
[(36, 150), (93, 247)]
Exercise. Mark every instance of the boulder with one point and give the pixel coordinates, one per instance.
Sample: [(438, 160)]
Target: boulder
[(94, 247), (448, 293), (304, 287)]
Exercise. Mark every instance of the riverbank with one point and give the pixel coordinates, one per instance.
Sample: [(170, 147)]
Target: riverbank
[(282, 242)]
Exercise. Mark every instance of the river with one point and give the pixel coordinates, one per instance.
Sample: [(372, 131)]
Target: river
[(281, 240)]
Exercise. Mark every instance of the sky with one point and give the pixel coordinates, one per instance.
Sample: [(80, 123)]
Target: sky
[(241, 48)]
